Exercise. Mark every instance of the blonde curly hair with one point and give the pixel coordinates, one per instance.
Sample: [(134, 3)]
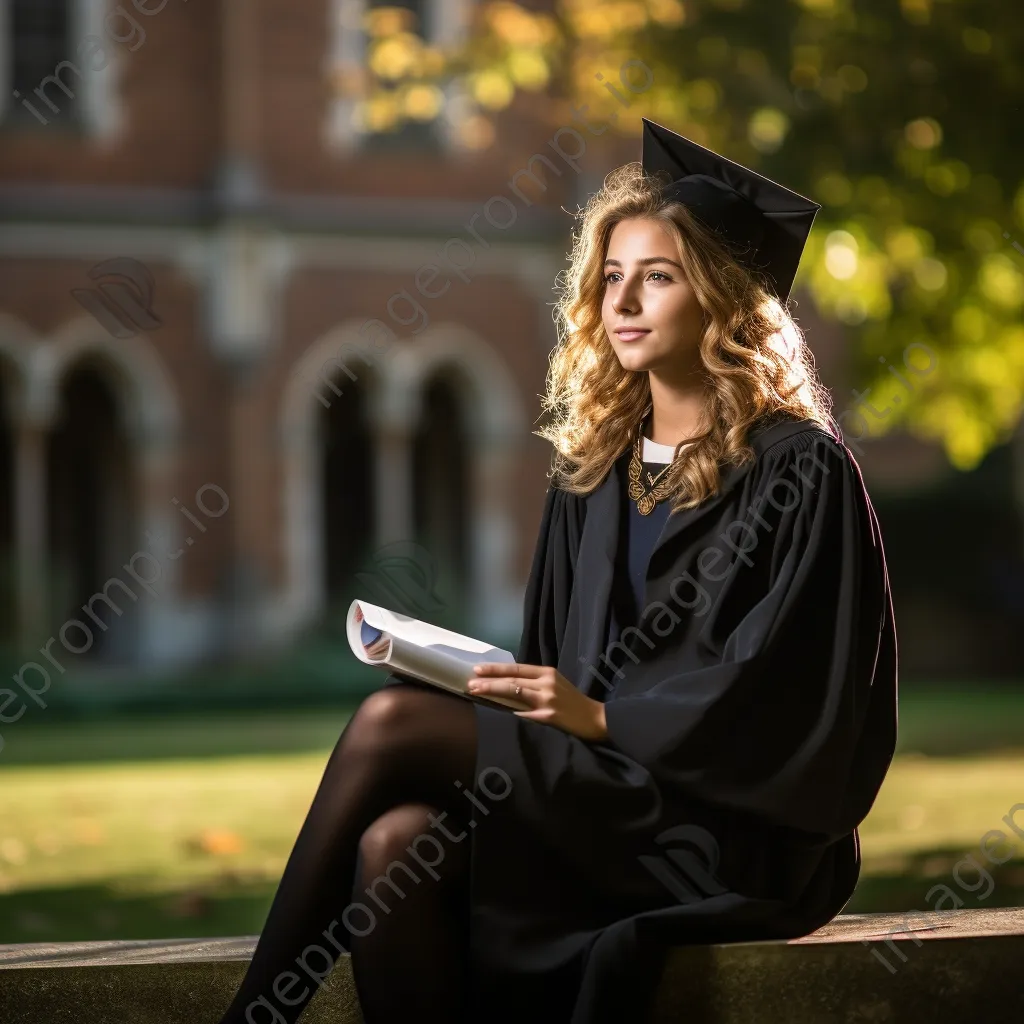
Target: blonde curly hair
[(756, 361)]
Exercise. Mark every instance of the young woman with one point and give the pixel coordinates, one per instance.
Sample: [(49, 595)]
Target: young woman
[(709, 657)]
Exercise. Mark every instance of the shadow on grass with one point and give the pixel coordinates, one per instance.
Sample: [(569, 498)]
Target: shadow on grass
[(938, 721), (977, 883), (174, 736), (960, 719), (232, 904), (229, 906)]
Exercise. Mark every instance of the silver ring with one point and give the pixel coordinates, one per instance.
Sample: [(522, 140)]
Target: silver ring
[(518, 690)]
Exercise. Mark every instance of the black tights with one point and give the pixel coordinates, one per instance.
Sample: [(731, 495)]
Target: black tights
[(398, 761)]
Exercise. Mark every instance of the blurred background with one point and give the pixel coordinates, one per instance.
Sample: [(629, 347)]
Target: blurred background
[(276, 286)]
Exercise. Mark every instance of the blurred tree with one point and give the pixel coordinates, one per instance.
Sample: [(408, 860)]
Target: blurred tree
[(896, 115)]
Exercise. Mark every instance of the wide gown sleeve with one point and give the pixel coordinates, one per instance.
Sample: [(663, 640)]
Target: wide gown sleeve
[(790, 714)]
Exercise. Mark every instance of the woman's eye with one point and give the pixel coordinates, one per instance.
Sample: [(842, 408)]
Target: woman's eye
[(614, 273)]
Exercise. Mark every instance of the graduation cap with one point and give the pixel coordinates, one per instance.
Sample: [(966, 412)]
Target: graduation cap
[(766, 224)]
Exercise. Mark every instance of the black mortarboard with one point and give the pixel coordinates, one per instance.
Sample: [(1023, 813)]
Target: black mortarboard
[(766, 224)]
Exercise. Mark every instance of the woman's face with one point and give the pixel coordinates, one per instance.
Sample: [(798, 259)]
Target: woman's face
[(646, 288)]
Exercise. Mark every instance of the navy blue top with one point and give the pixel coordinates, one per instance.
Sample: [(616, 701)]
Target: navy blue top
[(637, 536)]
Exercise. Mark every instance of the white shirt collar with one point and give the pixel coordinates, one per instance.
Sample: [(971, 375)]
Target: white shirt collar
[(654, 452)]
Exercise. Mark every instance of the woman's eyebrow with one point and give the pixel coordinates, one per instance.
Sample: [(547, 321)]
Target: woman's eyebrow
[(646, 261)]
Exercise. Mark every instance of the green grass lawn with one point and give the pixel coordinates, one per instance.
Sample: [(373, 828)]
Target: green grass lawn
[(149, 827), (180, 825)]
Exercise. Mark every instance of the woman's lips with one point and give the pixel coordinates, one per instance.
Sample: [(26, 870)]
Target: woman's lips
[(630, 335)]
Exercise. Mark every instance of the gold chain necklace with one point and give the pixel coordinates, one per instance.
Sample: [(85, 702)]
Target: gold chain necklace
[(657, 487), (647, 495)]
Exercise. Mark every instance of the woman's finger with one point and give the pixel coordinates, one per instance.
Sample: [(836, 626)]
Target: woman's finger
[(509, 669), (525, 682), (505, 687)]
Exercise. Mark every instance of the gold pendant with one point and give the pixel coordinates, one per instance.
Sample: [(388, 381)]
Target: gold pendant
[(645, 498)]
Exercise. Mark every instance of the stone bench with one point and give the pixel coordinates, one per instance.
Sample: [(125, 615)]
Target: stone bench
[(951, 966)]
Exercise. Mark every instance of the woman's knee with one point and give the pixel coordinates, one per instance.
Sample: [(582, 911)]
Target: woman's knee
[(383, 719), (405, 835), (416, 739), (392, 706), (388, 836)]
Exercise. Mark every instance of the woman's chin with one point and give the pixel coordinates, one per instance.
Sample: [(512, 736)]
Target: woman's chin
[(636, 362)]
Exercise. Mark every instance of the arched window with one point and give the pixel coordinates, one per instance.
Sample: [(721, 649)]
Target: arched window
[(442, 498), (347, 487), (92, 524)]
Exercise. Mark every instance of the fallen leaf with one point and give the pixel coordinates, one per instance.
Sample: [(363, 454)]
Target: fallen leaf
[(13, 851), (218, 842), (88, 831)]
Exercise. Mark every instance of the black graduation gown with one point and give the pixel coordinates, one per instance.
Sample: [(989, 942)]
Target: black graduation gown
[(755, 718)]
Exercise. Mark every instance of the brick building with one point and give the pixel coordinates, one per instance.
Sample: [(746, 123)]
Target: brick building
[(247, 338)]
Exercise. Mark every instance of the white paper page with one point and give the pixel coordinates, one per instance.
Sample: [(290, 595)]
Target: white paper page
[(403, 627)]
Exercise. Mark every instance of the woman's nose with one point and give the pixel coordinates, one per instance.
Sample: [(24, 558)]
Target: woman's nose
[(625, 301)]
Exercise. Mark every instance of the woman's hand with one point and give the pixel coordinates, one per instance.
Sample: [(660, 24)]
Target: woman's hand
[(553, 699)]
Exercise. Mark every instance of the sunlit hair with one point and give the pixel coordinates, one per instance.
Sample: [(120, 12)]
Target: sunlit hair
[(756, 361)]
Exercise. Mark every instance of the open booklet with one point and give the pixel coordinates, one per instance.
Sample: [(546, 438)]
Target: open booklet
[(427, 653)]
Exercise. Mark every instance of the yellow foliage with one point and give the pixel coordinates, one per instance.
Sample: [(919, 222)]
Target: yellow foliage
[(396, 57), (1011, 341), (388, 21), (834, 189), (380, 112), (984, 365), (847, 276), (432, 61), (492, 89), (949, 419), (767, 129), (704, 95), (422, 102), (917, 11), (906, 245), (923, 133), (605, 20), (971, 324), (828, 8), (516, 25), (841, 251), (966, 442), (946, 178), (1001, 282), (667, 12), (930, 274), (852, 78), (528, 69)]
